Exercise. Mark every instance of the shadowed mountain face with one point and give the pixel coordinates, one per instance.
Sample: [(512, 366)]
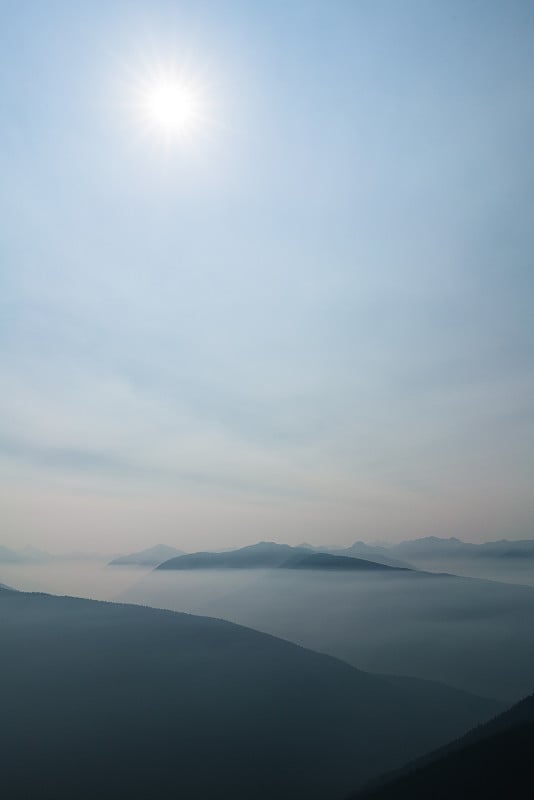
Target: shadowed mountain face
[(104, 700), (150, 557), (498, 767), (491, 761)]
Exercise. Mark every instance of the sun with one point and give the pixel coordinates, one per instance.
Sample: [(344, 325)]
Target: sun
[(174, 106), (171, 106)]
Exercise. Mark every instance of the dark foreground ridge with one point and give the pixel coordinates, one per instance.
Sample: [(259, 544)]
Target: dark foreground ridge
[(101, 700), (491, 761)]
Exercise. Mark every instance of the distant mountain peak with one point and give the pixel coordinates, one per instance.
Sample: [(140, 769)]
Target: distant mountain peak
[(253, 556), (150, 557)]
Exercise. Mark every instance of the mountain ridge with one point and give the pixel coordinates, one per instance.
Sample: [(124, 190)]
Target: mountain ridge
[(493, 756), (151, 556), (138, 699), (271, 555)]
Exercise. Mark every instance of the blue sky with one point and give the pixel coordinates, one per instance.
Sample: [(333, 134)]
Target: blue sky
[(312, 319)]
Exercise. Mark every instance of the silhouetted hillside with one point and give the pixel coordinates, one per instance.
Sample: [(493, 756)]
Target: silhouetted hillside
[(255, 556), (498, 767), (102, 700), (491, 761), (328, 561), (150, 557), (265, 555)]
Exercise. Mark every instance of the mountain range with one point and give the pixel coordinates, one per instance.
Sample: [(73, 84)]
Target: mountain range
[(504, 560), (434, 546), (268, 555)]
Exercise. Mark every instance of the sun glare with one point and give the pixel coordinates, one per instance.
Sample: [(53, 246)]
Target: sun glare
[(172, 106)]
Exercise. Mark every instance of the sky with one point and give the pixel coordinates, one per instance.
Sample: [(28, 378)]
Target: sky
[(308, 319)]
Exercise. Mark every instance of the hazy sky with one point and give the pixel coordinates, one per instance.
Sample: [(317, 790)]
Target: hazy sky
[(311, 319)]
